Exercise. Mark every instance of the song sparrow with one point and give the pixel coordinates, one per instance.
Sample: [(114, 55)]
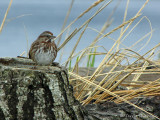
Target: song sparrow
[(43, 50)]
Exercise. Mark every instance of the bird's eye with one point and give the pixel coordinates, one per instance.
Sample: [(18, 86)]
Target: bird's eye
[(48, 36)]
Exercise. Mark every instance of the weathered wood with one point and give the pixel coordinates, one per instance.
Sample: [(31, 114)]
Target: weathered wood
[(29, 92)]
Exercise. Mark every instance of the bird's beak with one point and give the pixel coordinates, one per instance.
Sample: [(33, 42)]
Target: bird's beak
[(53, 37)]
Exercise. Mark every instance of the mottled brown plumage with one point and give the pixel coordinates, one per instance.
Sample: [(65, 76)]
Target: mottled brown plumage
[(43, 50)]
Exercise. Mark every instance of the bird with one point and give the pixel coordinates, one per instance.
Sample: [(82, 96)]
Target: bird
[(43, 50)]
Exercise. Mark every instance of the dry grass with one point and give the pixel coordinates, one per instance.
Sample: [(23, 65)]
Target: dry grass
[(5, 16), (87, 88)]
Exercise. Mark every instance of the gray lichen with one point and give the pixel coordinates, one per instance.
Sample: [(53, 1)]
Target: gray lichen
[(36, 92)]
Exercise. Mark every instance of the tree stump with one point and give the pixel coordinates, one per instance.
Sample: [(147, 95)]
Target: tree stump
[(30, 92)]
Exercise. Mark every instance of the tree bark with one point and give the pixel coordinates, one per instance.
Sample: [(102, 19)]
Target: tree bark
[(30, 92)]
